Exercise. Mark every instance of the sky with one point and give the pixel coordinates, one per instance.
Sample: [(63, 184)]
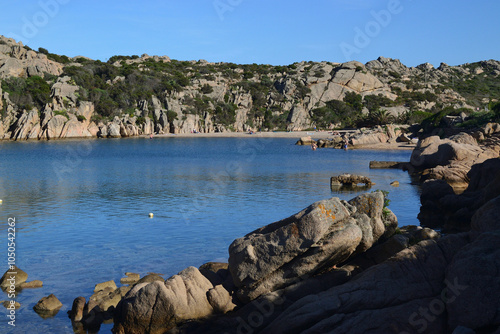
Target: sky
[(275, 32)]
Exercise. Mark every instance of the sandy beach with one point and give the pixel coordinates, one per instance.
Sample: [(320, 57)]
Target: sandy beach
[(316, 135)]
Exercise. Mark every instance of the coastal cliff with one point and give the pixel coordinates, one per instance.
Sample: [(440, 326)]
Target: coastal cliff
[(48, 96)]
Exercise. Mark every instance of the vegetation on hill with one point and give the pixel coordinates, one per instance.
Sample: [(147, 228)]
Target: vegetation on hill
[(272, 97)]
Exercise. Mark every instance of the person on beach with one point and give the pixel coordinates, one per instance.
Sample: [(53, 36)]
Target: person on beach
[(345, 142)]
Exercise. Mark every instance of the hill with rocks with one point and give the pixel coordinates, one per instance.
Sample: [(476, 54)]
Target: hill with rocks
[(49, 96)]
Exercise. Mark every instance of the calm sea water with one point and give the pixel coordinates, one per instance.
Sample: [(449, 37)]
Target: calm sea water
[(81, 207)]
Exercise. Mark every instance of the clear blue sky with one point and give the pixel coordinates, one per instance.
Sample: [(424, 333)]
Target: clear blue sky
[(277, 32)]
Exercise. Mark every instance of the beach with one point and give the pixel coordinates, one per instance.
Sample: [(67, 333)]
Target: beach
[(316, 135)]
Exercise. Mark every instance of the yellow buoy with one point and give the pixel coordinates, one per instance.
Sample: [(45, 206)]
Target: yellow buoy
[(151, 215), (0, 201)]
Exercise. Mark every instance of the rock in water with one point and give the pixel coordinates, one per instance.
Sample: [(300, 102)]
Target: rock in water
[(102, 286), (32, 285), (324, 234), (305, 141), (48, 306), (14, 276), (76, 313)]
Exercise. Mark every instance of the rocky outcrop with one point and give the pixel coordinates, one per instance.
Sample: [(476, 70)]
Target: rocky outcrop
[(369, 139), (450, 159), (158, 306), (397, 289), (228, 97), (305, 141), (411, 280), (442, 208), (349, 180), (17, 61), (323, 235), (427, 288)]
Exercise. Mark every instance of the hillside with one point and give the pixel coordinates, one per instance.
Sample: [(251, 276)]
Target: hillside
[(48, 96)]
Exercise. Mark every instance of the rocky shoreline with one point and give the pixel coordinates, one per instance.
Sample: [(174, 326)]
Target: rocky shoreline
[(342, 267)]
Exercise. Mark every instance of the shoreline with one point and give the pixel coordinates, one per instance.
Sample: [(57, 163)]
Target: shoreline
[(316, 135), (282, 134), (293, 135)]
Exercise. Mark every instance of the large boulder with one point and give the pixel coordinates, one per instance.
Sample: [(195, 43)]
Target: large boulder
[(449, 159), (369, 139), (158, 306), (55, 126), (324, 234), (307, 140), (113, 130), (75, 129), (434, 151), (25, 124)]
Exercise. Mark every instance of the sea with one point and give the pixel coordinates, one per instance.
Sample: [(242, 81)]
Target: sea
[(82, 207)]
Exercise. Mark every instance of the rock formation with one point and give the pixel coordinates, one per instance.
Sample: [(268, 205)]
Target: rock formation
[(349, 180), (214, 97), (269, 259), (450, 159)]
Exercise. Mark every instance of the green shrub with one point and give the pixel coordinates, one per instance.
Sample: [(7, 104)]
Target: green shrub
[(140, 120), (319, 73), (334, 112), (207, 89), (62, 113), (171, 115), (374, 102), (395, 74), (81, 118), (355, 101), (28, 93)]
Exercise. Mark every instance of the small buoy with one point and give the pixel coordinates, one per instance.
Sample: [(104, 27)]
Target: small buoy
[(0, 201), (151, 215)]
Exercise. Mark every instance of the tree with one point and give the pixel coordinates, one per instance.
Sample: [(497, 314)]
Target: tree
[(355, 101)]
